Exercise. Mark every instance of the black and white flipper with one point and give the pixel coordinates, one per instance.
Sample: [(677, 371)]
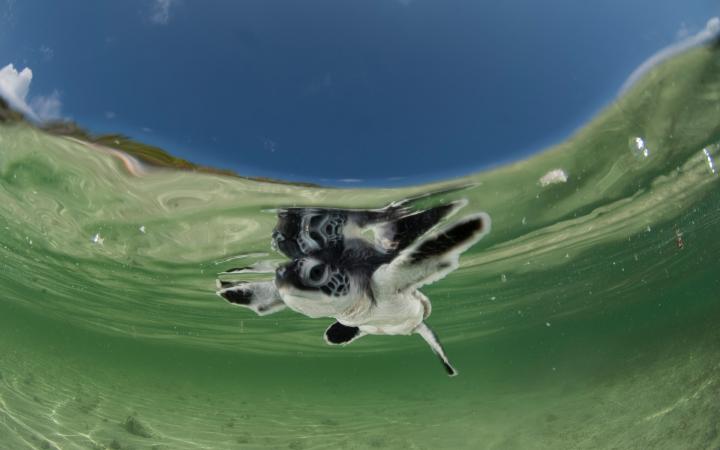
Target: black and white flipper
[(339, 334), (432, 257), (432, 340), (259, 296)]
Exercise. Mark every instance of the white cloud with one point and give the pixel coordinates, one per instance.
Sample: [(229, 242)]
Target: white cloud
[(160, 11), (320, 85), (15, 86), (47, 108), (7, 16), (46, 52), (270, 145)]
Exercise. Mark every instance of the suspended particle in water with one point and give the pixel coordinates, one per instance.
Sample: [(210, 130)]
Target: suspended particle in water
[(547, 324), (142, 229), (524, 220), (639, 147), (503, 278), (679, 241), (710, 162), (97, 239)]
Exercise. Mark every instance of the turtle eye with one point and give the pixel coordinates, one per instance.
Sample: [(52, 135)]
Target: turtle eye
[(317, 273), (314, 273)]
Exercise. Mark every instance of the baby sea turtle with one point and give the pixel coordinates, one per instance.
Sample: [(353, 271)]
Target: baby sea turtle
[(368, 287)]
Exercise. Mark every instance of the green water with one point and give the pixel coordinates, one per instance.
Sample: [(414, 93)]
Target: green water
[(581, 321)]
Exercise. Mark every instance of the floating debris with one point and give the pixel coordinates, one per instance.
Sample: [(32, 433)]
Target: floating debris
[(97, 239), (142, 229), (555, 176)]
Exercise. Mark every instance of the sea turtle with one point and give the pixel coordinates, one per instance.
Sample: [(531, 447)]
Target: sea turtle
[(366, 288)]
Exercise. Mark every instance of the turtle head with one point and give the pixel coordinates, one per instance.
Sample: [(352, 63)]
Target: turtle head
[(310, 276)]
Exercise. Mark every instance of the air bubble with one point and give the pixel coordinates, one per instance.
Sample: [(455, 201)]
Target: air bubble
[(639, 147)]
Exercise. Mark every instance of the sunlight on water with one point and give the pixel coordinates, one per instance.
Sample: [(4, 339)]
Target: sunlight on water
[(587, 318)]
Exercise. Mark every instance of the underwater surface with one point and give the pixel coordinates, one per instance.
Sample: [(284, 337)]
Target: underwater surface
[(587, 318)]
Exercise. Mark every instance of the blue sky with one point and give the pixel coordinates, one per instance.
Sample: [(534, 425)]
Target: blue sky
[(388, 92)]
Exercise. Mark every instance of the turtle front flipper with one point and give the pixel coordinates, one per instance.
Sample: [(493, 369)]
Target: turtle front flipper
[(259, 296), (339, 334), (433, 256)]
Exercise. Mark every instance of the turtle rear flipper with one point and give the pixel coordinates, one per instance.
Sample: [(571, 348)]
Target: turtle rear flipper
[(434, 343)]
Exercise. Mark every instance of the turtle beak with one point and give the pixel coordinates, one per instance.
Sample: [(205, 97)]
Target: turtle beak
[(283, 274), (277, 237)]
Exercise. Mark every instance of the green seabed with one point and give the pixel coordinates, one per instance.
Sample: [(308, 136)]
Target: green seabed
[(588, 318)]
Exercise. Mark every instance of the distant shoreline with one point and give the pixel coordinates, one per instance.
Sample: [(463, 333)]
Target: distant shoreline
[(147, 154)]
